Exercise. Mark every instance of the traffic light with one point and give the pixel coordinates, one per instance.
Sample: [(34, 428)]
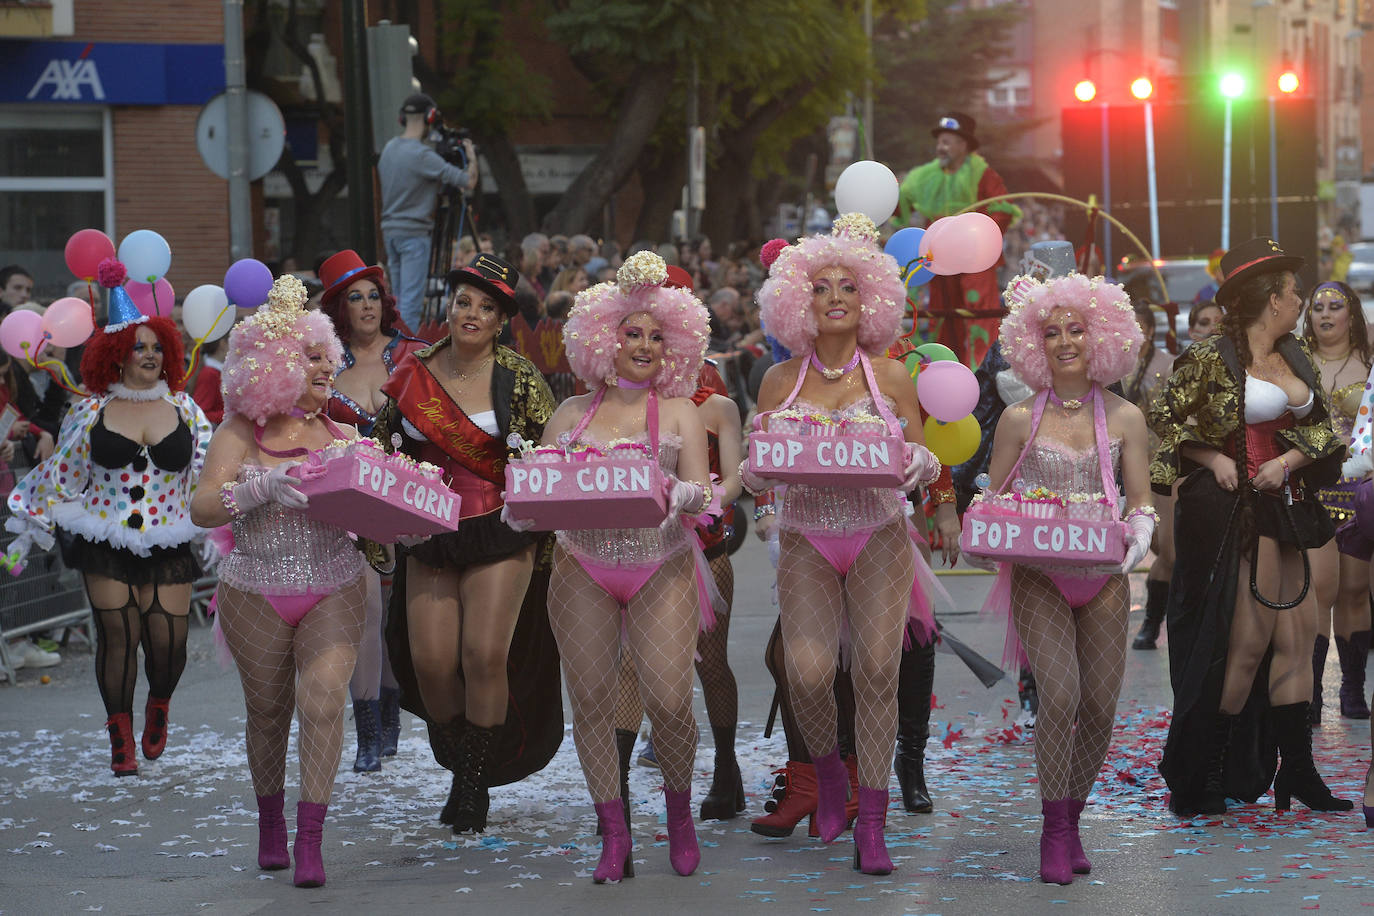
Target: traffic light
[(1085, 91), (1142, 88), (1288, 81), (1232, 85)]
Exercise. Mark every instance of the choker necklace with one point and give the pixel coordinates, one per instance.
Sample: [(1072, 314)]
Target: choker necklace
[(833, 374), (1073, 403), (151, 393), (302, 413), (618, 382)]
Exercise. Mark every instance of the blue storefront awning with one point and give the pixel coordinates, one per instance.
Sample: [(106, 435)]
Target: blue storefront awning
[(109, 73)]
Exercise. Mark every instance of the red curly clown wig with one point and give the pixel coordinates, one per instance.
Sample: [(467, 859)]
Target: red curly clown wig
[(102, 362)]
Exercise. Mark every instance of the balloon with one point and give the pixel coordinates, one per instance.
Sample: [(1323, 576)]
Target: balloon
[(206, 313), (953, 443), (85, 250), (146, 255), (21, 334), (869, 188), (947, 390), (918, 278), (927, 247), (247, 283), (153, 299), (973, 241), (904, 246), (937, 353), (69, 322)]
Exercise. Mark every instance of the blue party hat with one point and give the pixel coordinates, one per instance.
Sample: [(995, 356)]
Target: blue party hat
[(123, 312)]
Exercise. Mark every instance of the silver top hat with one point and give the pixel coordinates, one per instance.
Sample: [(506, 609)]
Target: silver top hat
[(1047, 260)]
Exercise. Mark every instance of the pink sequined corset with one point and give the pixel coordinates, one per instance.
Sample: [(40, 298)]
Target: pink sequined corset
[(279, 551), (630, 546), (1064, 470), (836, 510)]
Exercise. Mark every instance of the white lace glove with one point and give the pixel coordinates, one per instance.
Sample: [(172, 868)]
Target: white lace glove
[(1357, 466), (774, 548), (513, 523), (986, 564), (1140, 528), (684, 496), (276, 486), (753, 481), (208, 553), (920, 466), (1010, 388)]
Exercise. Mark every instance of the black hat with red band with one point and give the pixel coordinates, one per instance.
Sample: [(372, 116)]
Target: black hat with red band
[(492, 275), (1250, 259)]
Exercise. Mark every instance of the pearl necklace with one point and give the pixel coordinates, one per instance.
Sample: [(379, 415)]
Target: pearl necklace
[(833, 374)]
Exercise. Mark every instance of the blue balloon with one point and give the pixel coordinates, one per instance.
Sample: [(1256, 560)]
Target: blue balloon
[(904, 246), (919, 277)]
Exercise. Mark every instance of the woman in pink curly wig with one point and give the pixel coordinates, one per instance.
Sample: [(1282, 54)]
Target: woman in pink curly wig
[(1068, 338), (291, 593), (846, 554), (639, 345)]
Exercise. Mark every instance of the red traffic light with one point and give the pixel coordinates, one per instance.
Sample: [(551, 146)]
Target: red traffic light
[(1289, 82), (1085, 91), (1142, 88)]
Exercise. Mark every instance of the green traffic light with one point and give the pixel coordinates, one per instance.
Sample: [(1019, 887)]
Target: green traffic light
[(1232, 85)]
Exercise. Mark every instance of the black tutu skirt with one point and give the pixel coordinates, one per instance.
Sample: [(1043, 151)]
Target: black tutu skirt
[(480, 539), (164, 565)]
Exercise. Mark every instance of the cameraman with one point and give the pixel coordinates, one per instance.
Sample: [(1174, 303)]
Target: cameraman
[(412, 175)]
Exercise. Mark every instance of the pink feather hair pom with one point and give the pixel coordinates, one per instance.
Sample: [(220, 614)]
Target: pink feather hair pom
[(111, 273), (770, 251), (1113, 334)]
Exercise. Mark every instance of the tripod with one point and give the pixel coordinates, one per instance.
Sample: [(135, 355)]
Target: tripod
[(451, 214)]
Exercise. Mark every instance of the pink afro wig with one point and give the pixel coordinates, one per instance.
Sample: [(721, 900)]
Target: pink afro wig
[(591, 333), (785, 297), (1113, 337), (264, 370)]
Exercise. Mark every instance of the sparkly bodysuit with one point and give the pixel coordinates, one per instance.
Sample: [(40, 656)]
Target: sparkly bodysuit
[(291, 560)]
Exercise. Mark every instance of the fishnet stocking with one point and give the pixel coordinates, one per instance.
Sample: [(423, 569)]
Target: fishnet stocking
[(661, 628), (629, 708), (718, 686), (283, 668), (775, 659), (1078, 658), (815, 602), (367, 673)]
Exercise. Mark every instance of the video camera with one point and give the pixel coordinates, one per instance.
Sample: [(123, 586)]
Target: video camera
[(448, 143)]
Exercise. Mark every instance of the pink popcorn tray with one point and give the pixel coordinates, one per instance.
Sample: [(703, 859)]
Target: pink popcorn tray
[(828, 461), (380, 500), (1043, 542), (576, 494)]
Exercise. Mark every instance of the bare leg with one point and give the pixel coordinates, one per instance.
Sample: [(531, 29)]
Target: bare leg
[(490, 597), (1252, 629), (367, 674), (435, 638)]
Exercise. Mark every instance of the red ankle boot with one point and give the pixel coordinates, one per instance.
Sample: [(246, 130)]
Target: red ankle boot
[(155, 726), (794, 797), (122, 755)]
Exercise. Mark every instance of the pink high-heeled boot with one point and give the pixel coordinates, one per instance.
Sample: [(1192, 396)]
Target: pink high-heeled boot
[(616, 846), (309, 834), (870, 847), (683, 852), (272, 854), (1077, 857), (1055, 867), (832, 791)]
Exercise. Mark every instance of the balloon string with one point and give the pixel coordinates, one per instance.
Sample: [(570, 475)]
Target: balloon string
[(203, 339), (64, 380)]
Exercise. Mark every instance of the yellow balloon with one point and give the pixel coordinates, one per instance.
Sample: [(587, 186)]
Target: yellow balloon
[(953, 443)]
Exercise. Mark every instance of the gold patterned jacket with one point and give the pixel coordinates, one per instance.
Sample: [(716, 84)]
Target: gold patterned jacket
[(1200, 405)]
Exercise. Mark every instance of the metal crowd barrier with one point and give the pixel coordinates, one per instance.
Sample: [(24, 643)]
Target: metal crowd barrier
[(45, 596)]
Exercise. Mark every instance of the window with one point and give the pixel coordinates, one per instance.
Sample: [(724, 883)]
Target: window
[(55, 178)]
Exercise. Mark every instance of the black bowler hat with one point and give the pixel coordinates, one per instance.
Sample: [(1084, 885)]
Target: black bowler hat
[(1250, 259), (493, 276), (956, 122)]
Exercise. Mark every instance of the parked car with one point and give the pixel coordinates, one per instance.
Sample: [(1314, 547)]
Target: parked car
[(1184, 277), (1360, 276)]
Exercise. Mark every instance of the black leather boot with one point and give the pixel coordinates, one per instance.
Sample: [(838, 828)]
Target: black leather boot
[(1156, 602), (726, 798), (1319, 649), (1297, 775), (1213, 800), (445, 740), (390, 704), (470, 812), (915, 680), (367, 718)]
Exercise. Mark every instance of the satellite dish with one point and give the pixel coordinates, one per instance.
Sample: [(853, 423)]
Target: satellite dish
[(266, 135)]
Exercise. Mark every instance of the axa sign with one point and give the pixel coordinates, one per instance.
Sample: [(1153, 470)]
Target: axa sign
[(68, 81)]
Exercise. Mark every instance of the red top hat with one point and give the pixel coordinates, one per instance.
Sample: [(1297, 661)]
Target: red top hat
[(342, 270), (679, 279)]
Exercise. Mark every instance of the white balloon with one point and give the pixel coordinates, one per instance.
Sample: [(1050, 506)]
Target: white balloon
[(869, 188), (206, 313)]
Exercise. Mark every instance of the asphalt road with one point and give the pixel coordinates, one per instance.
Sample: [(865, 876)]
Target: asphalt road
[(180, 837)]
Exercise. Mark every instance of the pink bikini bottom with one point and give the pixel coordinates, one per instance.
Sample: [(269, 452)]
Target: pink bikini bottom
[(293, 608), (620, 582), (840, 549), (1077, 590)]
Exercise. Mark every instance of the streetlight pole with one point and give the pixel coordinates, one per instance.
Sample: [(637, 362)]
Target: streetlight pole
[(1150, 167), (1226, 179), (868, 82)]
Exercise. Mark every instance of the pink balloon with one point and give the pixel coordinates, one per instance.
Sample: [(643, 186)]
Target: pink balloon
[(947, 390), (21, 334), (980, 242), (143, 296), (941, 247), (68, 322)]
